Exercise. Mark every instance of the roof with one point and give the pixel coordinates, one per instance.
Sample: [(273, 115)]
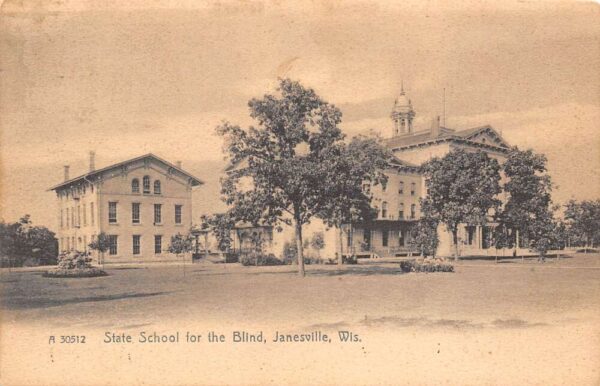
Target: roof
[(399, 164), (446, 134), (195, 181)]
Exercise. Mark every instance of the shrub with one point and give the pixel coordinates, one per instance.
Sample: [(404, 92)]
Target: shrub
[(426, 265), (74, 264), (74, 273), (231, 257), (290, 251), (258, 259), (349, 260)]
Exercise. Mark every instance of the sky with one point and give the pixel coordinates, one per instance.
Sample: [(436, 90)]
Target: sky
[(159, 76)]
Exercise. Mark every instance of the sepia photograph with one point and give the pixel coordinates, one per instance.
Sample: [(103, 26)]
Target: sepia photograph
[(359, 192)]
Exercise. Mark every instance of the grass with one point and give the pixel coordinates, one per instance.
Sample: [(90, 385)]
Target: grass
[(479, 289), (522, 311)]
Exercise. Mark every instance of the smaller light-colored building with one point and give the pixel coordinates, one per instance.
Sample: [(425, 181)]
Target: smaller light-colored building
[(139, 203)]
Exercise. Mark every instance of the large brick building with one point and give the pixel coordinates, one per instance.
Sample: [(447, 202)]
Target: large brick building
[(398, 201), (139, 203)]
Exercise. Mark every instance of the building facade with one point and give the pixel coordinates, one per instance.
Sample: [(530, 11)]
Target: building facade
[(398, 201), (139, 204)]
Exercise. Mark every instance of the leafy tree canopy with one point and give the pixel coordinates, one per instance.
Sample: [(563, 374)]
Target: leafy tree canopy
[(462, 189), (288, 160)]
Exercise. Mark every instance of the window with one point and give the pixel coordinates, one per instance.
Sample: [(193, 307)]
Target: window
[(135, 213), (177, 214), (61, 219), (73, 216), (401, 211), (92, 213), (157, 213), (112, 245), (412, 188), (385, 234), (401, 188), (136, 244), (157, 187), (67, 217), (84, 215), (401, 238), (78, 216), (384, 210), (146, 182), (72, 243), (135, 185), (112, 212), (470, 234), (157, 244), (413, 211)]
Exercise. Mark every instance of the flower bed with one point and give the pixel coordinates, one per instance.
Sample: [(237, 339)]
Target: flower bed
[(426, 265), (74, 264)]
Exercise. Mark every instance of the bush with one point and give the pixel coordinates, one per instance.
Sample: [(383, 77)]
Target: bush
[(75, 272), (349, 260), (258, 259), (231, 257), (74, 264), (290, 251), (426, 265)]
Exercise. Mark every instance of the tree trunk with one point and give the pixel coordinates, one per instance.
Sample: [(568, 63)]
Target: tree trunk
[(455, 241), (341, 246), (517, 245), (299, 250)]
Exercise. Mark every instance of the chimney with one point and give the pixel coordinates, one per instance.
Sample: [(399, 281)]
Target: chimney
[(435, 127), (92, 161), (66, 172), (178, 163)]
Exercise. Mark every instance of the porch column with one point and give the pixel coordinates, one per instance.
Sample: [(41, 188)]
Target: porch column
[(479, 237)]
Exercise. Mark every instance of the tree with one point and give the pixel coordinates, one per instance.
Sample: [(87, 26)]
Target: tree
[(584, 220), (100, 244), (21, 240), (502, 238), (462, 188), (527, 212), (348, 168), (181, 244), (221, 225), (283, 178), (424, 237)]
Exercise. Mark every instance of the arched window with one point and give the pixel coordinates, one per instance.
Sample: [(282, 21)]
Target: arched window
[(384, 209), (146, 182), (157, 187), (135, 185)]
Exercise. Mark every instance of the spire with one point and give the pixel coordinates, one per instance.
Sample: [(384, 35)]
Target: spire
[(402, 87)]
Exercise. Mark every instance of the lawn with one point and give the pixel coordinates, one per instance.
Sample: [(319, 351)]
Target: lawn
[(512, 322)]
